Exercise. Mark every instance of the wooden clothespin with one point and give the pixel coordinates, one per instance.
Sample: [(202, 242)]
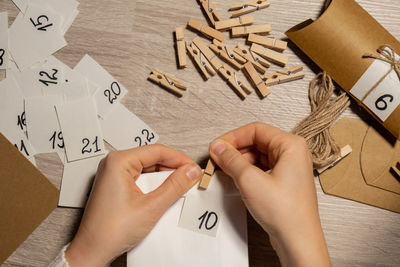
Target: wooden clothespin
[(210, 11), (343, 153), (396, 170), (180, 46), (230, 23), (283, 76), (205, 50), (224, 70), (226, 54), (240, 88), (271, 55), (248, 7), (206, 30), (246, 30), (200, 61), (170, 84), (208, 173), (254, 77), (259, 63), (271, 43)]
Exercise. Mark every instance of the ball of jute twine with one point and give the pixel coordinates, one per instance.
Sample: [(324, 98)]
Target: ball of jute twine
[(326, 107)]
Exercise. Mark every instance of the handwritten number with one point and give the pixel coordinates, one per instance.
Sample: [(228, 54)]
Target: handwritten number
[(145, 139), (59, 137), (1, 56), (86, 143), (51, 79), (113, 93), (149, 136), (39, 23), (206, 217), (22, 148), (21, 120), (381, 104)]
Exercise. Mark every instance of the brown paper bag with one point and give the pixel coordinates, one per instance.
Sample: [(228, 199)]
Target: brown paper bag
[(337, 41), (26, 198), (378, 154), (346, 178)]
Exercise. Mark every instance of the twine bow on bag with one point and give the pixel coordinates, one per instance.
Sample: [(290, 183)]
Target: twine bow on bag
[(385, 53)]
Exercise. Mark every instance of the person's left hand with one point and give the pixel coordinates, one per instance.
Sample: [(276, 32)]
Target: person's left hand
[(118, 215)]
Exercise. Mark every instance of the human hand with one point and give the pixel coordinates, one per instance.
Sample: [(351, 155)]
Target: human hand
[(118, 215), (279, 192)]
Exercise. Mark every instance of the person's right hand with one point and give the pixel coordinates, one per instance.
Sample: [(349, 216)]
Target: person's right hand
[(279, 191)]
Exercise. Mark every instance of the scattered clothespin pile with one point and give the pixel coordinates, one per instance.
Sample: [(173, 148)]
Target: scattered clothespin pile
[(217, 57)]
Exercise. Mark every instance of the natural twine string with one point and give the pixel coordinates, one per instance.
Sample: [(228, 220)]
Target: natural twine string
[(385, 53), (326, 107)]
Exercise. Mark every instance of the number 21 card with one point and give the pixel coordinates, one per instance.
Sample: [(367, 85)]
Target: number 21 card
[(81, 131)]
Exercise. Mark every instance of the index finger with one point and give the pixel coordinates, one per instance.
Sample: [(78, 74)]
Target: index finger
[(256, 134), (153, 158)]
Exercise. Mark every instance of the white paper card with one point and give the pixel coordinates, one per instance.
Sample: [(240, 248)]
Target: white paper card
[(19, 140), (123, 130), (43, 129), (35, 36), (80, 128), (4, 40), (385, 98), (110, 91), (170, 245), (201, 214), (77, 180), (12, 111)]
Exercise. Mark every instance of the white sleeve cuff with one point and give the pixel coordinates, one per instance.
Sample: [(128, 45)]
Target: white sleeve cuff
[(60, 260)]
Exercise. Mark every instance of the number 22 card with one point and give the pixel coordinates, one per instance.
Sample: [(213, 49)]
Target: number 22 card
[(81, 130)]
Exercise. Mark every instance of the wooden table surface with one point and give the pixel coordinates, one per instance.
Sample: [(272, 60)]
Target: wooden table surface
[(129, 38)]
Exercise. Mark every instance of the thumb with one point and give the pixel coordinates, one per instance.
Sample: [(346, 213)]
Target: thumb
[(177, 184), (232, 162)]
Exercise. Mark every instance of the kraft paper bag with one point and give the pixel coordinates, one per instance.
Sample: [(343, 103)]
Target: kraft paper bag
[(346, 179), (337, 42), (26, 198)]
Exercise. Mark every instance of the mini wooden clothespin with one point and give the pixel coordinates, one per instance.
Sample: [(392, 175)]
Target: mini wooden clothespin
[(271, 43), (283, 76), (206, 30), (224, 70), (396, 170), (346, 150), (205, 50), (170, 84), (259, 63), (201, 61), (240, 88), (226, 54), (208, 173), (210, 11), (246, 30), (248, 7), (230, 23), (180, 46), (254, 77), (271, 55)]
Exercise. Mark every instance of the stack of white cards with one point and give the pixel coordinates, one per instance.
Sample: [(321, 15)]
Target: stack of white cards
[(47, 107)]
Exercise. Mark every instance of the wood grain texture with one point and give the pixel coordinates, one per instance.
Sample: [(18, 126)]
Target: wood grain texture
[(129, 38)]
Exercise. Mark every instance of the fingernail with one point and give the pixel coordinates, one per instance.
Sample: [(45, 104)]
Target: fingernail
[(193, 172), (218, 146)]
